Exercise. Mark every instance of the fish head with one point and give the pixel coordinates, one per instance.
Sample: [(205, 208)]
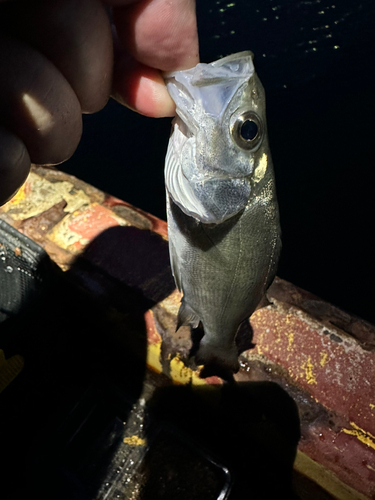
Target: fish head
[(219, 137)]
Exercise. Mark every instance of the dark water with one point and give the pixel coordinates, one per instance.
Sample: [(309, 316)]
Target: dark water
[(316, 61)]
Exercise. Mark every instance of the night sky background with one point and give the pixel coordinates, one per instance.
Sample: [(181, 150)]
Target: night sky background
[(316, 62)]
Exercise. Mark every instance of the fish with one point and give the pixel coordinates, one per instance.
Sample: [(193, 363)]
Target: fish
[(222, 210)]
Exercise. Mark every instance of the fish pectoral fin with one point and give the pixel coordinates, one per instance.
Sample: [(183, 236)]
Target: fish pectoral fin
[(186, 316)]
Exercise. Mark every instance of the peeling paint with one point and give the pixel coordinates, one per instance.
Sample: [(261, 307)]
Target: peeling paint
[(181, 374), (323, 359), (308, 369), (365, 437), (44, 195), (75, 231)]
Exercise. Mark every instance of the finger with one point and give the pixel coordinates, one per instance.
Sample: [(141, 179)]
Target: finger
[(159, 33), (14, 165), (142, 89), (75, 35), (116, 3), (37, 104)]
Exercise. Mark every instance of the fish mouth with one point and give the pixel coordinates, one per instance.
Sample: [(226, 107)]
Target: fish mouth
[(233, 57)]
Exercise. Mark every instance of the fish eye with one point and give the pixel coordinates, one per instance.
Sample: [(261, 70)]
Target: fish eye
[(246, 130)]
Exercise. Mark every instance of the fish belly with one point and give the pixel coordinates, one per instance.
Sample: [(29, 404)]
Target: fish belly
[(223, 271)]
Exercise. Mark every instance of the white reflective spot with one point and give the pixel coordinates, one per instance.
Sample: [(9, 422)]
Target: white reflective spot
[(41, 117)]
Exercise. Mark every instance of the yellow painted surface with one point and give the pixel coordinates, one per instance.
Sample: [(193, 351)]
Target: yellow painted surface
[(181, 374), (18, 197), (290, 341), (323, 359), (325, 478), (196, 380), (9, 369), (308, 371), (364, 436), (154, 357), (134, 441)]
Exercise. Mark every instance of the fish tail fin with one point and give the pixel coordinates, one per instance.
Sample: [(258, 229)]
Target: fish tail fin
[(186, 316), (215, 356)]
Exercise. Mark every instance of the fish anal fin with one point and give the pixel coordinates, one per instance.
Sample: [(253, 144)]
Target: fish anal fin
[(186, 316)]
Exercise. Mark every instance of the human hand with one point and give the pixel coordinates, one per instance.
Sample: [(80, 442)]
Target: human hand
[(61, 58)]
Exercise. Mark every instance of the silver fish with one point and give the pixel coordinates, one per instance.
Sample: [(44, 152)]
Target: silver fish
[(223, 218)]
